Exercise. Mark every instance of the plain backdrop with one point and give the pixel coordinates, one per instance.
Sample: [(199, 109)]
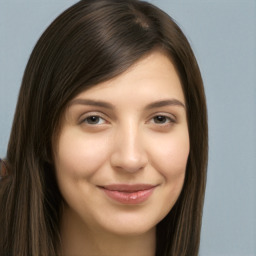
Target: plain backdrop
[(223, 36)]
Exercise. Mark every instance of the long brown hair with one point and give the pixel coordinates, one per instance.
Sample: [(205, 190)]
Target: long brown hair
[(91, 42)]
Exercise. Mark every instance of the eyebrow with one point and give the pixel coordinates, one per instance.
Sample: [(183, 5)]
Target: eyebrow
[(163, 103), (103, 104)]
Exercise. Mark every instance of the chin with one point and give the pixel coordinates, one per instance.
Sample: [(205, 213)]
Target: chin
[(130, 226), (132, 231)]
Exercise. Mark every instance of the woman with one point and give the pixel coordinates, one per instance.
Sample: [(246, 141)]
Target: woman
[(108, 149)]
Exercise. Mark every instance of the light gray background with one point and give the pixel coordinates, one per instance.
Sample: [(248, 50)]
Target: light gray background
[(223, 36)]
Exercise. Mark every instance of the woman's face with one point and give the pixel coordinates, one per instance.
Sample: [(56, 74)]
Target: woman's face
[(123, 147)]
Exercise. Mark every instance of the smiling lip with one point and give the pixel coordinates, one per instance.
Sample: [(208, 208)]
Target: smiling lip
[(129, 194)]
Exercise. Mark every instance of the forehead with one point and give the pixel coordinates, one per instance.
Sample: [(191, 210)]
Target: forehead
[(149, 78)]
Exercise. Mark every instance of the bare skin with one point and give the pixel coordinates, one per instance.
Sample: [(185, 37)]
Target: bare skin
[(80, 241), (121, 159)]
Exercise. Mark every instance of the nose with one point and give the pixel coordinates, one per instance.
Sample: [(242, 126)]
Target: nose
[(128, 151)]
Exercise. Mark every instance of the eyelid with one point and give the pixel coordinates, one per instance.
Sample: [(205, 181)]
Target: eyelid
[(92, 113), (103, 116), (170, 116)]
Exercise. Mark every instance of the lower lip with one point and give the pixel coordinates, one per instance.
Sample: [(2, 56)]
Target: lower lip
[(129, 197)]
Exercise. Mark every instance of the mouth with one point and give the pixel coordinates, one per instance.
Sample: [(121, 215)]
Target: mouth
[(128, 194)]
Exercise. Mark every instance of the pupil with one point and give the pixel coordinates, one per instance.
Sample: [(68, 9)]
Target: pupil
[(93, 119), (160, 119)]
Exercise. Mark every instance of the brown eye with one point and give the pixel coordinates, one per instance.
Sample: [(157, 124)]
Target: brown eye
[(161, 119), (93, 120)]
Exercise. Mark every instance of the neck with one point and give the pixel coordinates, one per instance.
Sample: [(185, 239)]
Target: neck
[(79, 239)]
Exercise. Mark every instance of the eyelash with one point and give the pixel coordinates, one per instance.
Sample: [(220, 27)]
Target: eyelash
[(86, 119), (167, 120)]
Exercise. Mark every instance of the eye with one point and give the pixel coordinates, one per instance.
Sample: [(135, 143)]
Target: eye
[(161, 119), (94, 120)]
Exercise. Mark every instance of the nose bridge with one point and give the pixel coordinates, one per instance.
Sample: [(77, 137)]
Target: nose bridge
[(131, 141), (129, 152)]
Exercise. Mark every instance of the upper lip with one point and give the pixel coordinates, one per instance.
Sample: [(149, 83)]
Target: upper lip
[(128, 187)]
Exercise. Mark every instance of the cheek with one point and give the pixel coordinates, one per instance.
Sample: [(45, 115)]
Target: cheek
[(169, 158), (80, 155), (170, 155)]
